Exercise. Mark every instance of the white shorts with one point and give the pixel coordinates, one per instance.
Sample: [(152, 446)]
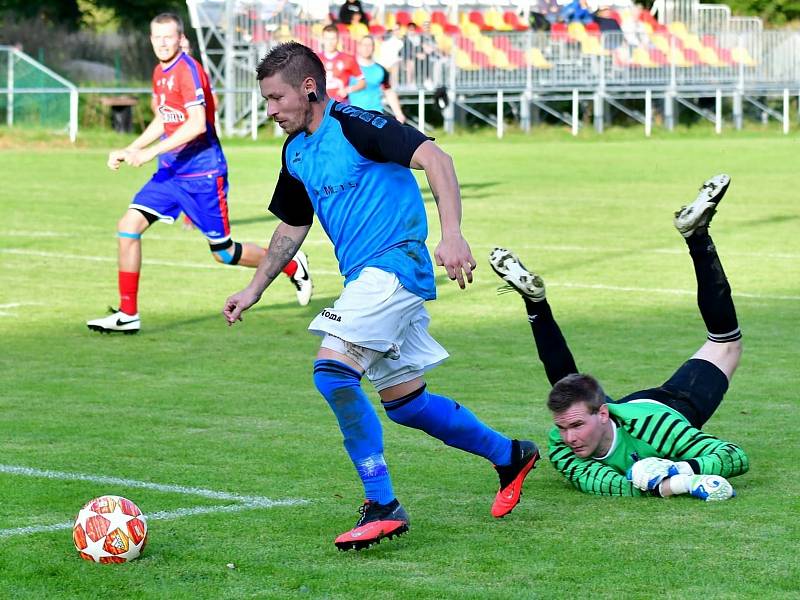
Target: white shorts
[(376, 312)]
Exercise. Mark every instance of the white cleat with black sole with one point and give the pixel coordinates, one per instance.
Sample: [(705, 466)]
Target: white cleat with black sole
[(302, 279), (699, 213), (117, 321), (509, 268)]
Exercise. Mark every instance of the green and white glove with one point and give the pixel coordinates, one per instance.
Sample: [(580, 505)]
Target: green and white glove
[(705, 487)]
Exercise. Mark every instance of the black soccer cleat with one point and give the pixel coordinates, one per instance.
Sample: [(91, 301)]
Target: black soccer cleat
[(377, 521)]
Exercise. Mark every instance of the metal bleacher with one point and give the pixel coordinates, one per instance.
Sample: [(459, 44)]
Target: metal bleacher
[(486, 55)]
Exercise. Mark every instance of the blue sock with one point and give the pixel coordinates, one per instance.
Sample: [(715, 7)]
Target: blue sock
[(454, 424), (340, 385)]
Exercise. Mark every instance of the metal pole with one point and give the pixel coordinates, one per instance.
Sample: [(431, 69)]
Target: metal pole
[(599, 117), (229, 100), (73, 114), (500, 114), (254, 115), (10, 87), (525, 111), (575, 102), (450, 110), (785, 111), (718, 115), (669, 110), (421, 102), (648, 112), (737, 110)]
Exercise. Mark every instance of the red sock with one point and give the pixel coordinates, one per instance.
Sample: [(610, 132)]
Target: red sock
[(128, 292), (291, 268)]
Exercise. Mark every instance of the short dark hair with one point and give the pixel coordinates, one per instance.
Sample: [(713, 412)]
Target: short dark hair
[(166, 17), (295, 62), (577, 387), (331, 27)]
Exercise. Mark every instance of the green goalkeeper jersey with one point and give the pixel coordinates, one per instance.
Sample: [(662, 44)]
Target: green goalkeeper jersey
[(645, 428)]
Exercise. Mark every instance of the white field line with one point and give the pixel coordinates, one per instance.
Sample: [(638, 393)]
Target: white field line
[(324, 242), (242, 502), (113, 259), (5, 313), (587, 286)]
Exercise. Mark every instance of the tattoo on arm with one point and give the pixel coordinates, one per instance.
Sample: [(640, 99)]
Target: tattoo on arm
[(282, 249)]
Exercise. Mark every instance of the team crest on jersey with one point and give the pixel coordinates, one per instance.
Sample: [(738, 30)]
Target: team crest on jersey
[(170, 115)]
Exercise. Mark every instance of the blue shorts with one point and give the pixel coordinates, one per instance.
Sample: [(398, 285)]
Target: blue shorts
[(203, 199)]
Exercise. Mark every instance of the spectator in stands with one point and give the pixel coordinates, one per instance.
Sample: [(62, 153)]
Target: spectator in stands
[(340, 68), (419, 53), (378, 86), (352, 12), (576, 11), (390, 53)]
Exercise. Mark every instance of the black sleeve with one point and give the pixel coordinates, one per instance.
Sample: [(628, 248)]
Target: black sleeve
[(290, 201), (378, 137)]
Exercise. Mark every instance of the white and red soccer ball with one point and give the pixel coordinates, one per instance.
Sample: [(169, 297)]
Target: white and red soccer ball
[(110, 529)]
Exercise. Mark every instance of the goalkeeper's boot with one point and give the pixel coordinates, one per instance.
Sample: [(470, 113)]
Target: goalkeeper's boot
[(302, 279), (377, 521), (700, 212), (524, 455), (117, 321), (509, 268)]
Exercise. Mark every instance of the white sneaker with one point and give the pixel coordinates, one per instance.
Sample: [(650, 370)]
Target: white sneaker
[(506, 264), (116, 321), (302, 279), (699, 213)]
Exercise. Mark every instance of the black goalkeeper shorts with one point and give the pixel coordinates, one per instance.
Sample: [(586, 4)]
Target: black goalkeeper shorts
[(695, 390)]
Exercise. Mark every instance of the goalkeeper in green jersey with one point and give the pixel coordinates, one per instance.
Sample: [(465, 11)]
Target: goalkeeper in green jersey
[(649, 442)]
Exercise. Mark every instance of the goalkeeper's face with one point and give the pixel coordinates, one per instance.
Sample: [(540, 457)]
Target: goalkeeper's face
[(583, 431)]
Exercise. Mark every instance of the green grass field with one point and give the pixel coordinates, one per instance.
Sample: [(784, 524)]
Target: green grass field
[(190, 402)]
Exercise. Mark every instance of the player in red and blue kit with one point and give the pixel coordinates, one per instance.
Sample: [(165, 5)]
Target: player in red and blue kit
[(351, 168), (192, 176)]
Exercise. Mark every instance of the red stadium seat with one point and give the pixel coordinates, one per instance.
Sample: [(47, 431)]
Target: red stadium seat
[(377, 30), (403, 18), (592, 28), (511, 18), (558, 32), (476, 16)]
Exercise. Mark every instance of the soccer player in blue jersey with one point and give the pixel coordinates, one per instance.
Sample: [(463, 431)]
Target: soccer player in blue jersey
[(649, 442), (377, 81), (192, 176), (350, 168)]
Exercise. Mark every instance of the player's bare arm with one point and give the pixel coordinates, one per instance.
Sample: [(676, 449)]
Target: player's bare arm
[(453, 252), (285, 242), (151, 133), (194, 126)]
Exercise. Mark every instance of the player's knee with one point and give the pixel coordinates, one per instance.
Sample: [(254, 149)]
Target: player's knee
[(227, 252), (332, 377)]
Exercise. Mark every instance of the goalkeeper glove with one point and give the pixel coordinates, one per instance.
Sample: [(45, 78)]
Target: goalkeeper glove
[(705, 487), (647, 473)]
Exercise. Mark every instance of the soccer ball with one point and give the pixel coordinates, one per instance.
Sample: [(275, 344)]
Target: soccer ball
[(110, 529)]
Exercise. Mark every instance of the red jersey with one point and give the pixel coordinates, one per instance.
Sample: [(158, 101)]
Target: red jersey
[(339, 68), (181, 85)]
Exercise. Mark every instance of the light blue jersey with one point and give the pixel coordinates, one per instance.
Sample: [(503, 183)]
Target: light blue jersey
[(371, 97), (353, 173)]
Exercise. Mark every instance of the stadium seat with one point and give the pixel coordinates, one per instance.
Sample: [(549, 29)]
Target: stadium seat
[(464, 62), (641, 58), (593, 29), (476, 16), (358, 30), (420, 16), (403, 18), (494, 19), (536, 59), (691, 56), (377, 30), (658, 57), (511, 18), (558, 32), (576, 31), (470, 30), (592, 46), (742, 56)]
